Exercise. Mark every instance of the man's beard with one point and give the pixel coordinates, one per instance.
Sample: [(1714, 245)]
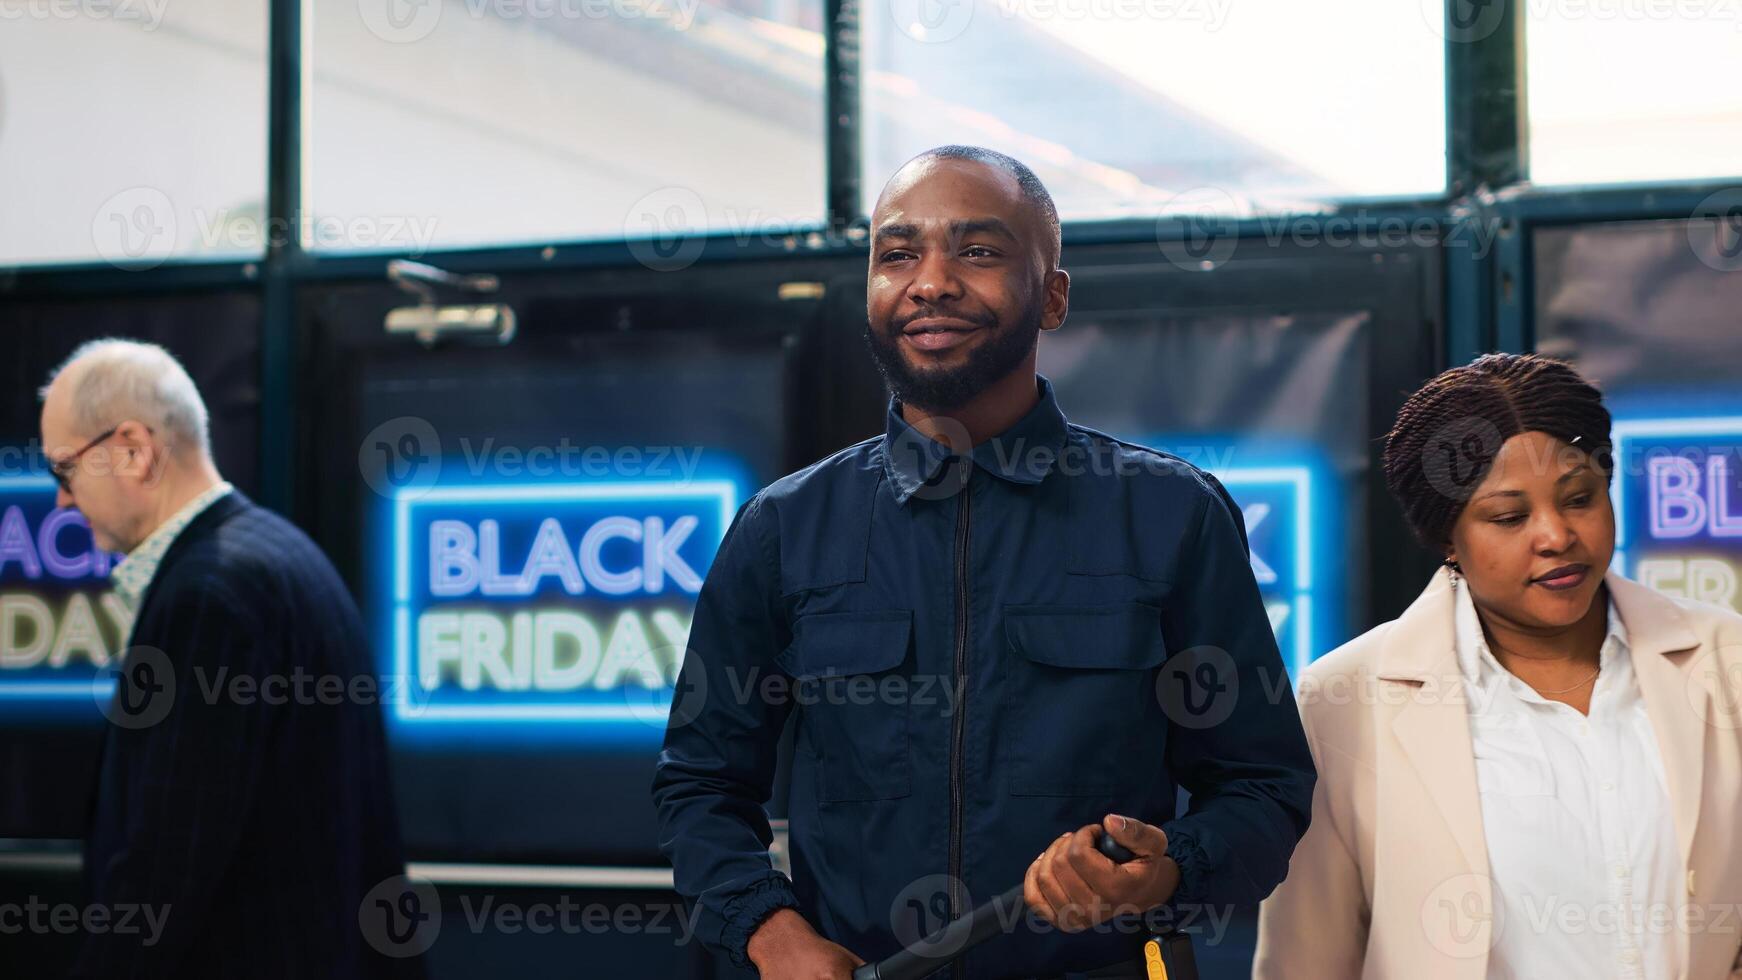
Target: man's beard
[(947, 389)]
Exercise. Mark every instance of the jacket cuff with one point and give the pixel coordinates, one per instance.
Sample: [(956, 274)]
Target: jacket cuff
[(1194, 867), (748, 909)]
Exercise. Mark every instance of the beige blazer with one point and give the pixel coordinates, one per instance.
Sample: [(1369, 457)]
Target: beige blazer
[(1391, 878)]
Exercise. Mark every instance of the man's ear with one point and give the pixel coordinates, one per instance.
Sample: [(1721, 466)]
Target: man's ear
[(144, 459), (1058, 300)]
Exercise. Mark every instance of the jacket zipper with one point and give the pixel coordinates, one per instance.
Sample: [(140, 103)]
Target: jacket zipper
[(959, 722)]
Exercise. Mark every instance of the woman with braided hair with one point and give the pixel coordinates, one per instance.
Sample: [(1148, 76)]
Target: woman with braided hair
[(1535, 771)]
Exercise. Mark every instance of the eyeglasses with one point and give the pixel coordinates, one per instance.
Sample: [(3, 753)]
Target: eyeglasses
[(63, 470)]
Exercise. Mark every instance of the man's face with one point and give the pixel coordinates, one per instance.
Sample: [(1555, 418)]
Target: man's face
[(960, 282), (104, 483)]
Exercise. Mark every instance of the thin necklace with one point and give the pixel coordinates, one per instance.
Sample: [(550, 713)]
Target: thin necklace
[(1563, 690), (1575, 687)]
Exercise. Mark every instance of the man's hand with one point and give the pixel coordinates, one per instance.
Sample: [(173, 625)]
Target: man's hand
[(785, 947), (1074, 886)]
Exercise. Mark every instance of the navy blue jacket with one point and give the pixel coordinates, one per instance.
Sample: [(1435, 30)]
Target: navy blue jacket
[(977, 666), (260, 825)]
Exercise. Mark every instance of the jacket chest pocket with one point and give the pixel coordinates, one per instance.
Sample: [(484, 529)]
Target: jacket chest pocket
[(1088, 719), (839, 663)]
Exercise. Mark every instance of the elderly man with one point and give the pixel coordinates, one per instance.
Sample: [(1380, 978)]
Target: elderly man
[(238, 798)]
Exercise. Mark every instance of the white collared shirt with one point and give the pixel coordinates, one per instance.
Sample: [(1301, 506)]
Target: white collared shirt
[(1576, 813), (133, 575)]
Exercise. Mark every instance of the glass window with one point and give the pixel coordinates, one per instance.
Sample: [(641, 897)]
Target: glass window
[(473, 122), (1122, 106), (1634, 91), (132, 132)]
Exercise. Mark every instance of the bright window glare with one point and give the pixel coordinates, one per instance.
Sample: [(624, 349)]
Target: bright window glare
[(1626, 90), (1122, 105), (132, 133), (479, 122)]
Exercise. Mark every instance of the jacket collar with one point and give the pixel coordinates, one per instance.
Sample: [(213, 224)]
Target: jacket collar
[(1433, 728), (1023, 453), (203, 524), (132, 576)]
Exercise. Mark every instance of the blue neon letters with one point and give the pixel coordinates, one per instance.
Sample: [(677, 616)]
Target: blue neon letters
[(548, 602)]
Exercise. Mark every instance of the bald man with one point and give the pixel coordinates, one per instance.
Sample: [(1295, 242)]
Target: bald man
[(243, 800), (1002, 635)]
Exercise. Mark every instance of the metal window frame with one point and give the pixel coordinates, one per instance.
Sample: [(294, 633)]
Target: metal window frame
[(1487, 213)]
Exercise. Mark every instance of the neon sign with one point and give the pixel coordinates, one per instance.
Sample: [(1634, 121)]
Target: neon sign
[(559, 602), (1282, 488), (1276, 504), (59, 623), (1678, 505)]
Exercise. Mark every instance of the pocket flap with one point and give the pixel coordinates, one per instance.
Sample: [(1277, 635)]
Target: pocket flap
[(833, 644), (1126, 636)]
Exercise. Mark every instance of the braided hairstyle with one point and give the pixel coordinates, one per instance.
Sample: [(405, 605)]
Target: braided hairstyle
[(1448, 433)]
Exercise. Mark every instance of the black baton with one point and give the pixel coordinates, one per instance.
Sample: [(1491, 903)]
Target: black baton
[(915, 962)]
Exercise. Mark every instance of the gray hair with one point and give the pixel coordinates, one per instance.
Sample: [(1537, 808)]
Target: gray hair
[(117, 380)]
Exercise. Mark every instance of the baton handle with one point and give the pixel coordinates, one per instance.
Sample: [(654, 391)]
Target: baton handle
[(915, 962)]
